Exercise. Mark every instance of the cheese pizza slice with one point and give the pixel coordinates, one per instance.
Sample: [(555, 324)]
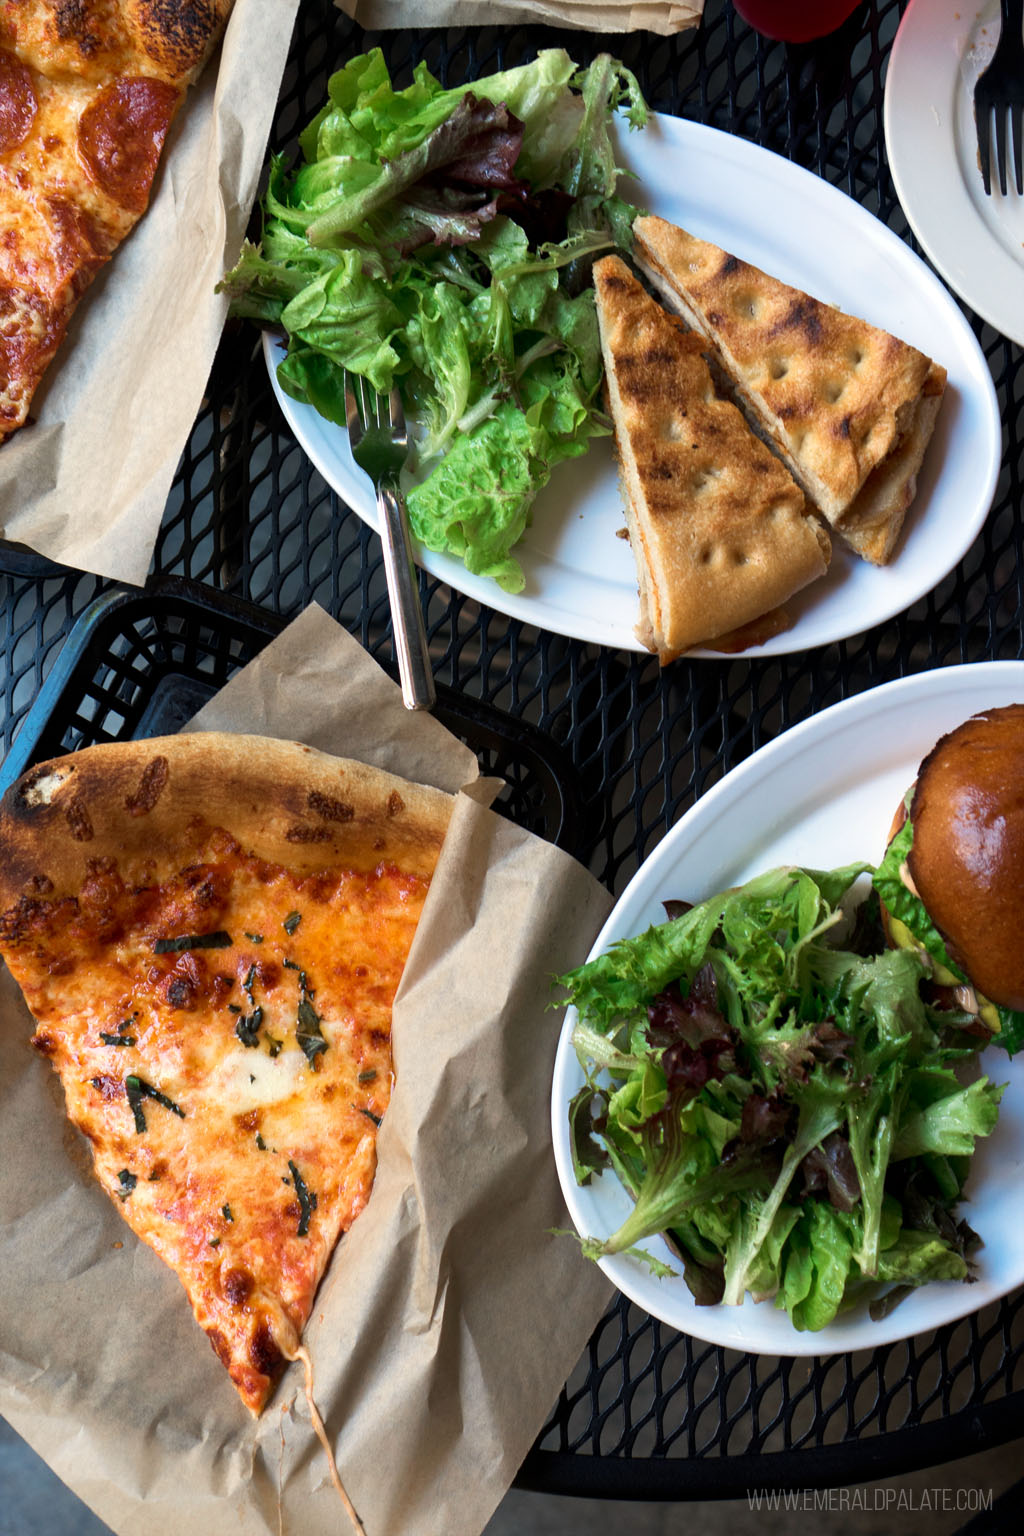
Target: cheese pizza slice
[(88, 91), (209, 931), (848, 407), (721, 534)]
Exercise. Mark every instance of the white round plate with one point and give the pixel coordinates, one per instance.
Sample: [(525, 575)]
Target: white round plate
[(580, 577), (821, 795), (976, 242)]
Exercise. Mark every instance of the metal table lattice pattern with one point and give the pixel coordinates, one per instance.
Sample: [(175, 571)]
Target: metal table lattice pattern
[(648, 1413)]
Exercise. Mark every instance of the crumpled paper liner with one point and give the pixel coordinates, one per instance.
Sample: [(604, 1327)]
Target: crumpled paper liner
[(87, 481), (449, 1318), (662, 16)]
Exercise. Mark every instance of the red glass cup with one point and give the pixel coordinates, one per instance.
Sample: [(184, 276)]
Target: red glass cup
[(795, 21)]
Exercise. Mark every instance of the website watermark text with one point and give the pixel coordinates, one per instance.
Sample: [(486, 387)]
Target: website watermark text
[(820, 1501)]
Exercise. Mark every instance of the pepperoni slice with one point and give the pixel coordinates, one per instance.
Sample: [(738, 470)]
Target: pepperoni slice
[(121, 133), (18, 104)]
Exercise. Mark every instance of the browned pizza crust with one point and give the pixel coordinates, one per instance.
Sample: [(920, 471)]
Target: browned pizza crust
[(95, 39), (88, 92), (210, 931), (142, 802), (177, 34)]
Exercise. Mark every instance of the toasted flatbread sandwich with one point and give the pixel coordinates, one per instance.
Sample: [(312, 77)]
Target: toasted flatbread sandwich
[(721, 533), (848, 407)]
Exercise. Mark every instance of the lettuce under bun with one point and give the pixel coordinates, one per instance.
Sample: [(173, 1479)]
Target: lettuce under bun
[(953, 874)]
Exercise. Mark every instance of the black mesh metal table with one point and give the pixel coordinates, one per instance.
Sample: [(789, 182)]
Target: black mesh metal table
[(649, 1413)]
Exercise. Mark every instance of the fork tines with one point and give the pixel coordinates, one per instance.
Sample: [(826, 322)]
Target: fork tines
[(1009, 123), (999, 96)]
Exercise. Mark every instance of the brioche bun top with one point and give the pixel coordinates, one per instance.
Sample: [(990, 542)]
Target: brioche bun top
[(967, 858)]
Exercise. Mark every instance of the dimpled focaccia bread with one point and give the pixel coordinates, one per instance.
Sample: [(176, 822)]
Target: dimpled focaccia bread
[(847, 406), (720, 532)]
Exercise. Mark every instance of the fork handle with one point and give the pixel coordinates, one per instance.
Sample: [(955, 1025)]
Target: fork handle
[(410, 638)]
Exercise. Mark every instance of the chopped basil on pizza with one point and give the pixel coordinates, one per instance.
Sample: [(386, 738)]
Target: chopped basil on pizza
[(209, 931)]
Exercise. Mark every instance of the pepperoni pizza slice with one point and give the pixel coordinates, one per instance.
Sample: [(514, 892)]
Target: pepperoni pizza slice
[(209, 931), (88, 91)]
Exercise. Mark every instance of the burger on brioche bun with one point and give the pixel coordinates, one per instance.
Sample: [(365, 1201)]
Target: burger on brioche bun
[(952, 879)]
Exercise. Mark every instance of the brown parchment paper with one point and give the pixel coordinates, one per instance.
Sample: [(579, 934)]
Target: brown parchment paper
[(449, 1317), (662, 16), (87, 481)]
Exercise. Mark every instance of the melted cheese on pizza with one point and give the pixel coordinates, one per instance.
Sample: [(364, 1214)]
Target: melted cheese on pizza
[(88, 91), (223, 1039)]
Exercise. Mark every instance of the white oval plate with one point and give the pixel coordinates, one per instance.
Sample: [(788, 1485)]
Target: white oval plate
[(821, 795), (580, 577), (976, 242)]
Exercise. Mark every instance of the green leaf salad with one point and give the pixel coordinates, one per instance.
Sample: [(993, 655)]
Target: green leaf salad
[(769, 1083), (441, 237)]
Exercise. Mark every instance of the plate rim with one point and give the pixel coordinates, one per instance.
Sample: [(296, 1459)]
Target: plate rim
[(643, 885), (958, 210), (682, 136)]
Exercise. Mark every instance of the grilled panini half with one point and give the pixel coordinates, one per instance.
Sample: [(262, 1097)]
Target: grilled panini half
[(848, 407), (720, 532)]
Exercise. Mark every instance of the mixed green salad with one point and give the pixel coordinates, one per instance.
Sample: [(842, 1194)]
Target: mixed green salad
[(441, 238), (772, 1086)]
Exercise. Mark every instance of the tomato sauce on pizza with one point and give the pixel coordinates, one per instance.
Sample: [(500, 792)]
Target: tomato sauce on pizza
[(88, 92), (210, 932)]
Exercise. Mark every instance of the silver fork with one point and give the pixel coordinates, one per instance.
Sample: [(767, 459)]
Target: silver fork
[(380, 446), (999, 94)]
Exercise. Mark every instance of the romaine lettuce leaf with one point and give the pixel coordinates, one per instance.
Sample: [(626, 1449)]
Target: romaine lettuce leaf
[(476, 502), (816, 1267), (347, 319)]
